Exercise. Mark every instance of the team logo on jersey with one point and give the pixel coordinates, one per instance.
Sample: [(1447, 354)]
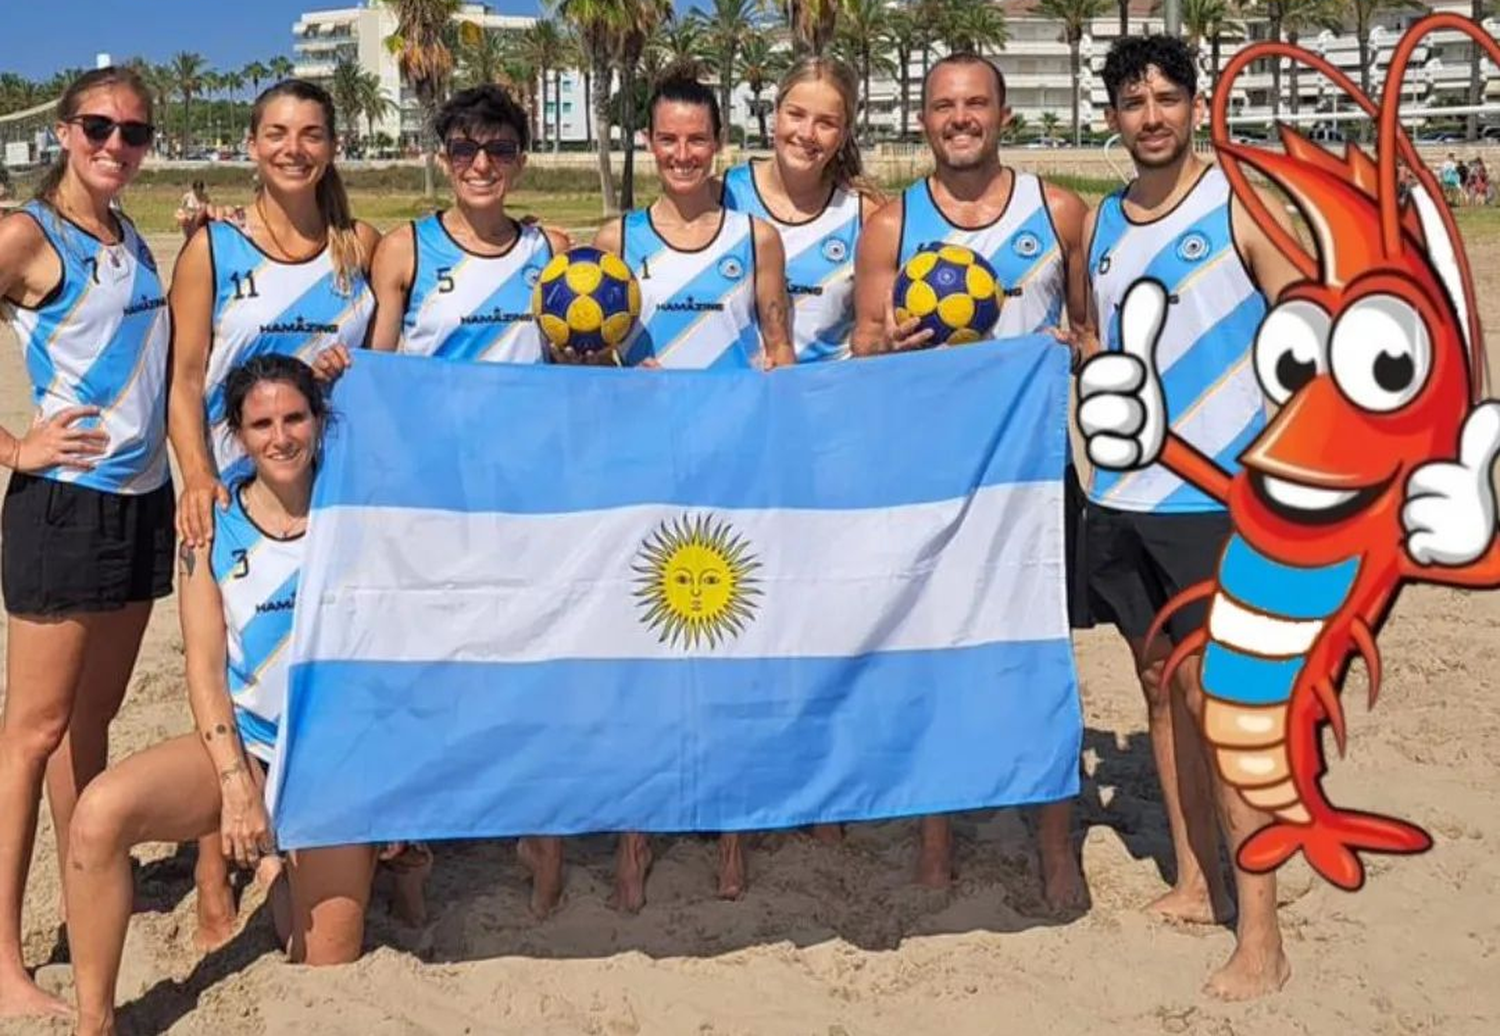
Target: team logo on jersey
[(695, 582), (731, 267), (835, 250), (1027, 245), (532, 274), (1192, 246)]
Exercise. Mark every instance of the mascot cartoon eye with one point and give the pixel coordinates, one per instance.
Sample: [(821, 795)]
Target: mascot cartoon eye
[(1381, 353), (1290, 348)]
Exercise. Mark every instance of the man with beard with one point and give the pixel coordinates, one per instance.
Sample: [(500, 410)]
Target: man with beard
[(1146, 534), (1031, 233)]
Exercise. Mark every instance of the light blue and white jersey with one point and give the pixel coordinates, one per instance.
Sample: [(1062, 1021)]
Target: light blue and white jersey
[(100, 338), (257, 576), (262, 305), (466, 306), (819, 264), (1204, 355), (697, 308), (1021, 244)]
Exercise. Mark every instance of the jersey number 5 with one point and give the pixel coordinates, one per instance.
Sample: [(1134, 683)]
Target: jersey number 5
[(445, 279)]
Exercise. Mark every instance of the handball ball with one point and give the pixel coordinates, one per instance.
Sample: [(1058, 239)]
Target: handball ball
[(951, 290), (587, 300)]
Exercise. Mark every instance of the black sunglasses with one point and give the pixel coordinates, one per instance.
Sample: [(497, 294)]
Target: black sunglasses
[(464, 151), (99, 128)]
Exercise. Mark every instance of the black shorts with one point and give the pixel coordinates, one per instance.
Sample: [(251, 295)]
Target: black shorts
[(68, 548), (1134, 563)]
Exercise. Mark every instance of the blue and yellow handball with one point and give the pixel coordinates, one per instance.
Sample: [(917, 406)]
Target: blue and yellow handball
[(952, 291), (586, 301)]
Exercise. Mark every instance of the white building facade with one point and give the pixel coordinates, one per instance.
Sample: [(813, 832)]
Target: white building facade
[(1036, 63), (321, 39)]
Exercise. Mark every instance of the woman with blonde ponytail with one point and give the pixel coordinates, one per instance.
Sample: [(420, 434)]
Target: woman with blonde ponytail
[(815, 194), (291, 278)]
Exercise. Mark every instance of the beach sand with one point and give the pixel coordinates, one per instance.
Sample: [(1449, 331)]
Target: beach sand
[(837, 942)]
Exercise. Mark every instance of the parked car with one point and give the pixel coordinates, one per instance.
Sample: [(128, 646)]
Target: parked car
[(1041, 142)]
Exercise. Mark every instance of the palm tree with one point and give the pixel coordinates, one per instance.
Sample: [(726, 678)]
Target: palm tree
[(862, 36), (374, 103), (1208, 20), (724, 31), (643, 19), (598, 24), (425, 62), (542, 45), (813, 23), (680, 47), (188, 72), (482, 59), (574, 60), (255, 73), (972, 26), (1049, 122), (1075, 16), (281, 67), (1363, 13), (232, 82), (1298, 16), (906, 33), (759, 67), (345, 89)]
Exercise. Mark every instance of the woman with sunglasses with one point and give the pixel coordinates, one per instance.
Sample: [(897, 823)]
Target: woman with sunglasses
[(290, 279), (88, 513), (457, 285)]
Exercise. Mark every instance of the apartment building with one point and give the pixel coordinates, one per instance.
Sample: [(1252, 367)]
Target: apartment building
[(1036, 63)]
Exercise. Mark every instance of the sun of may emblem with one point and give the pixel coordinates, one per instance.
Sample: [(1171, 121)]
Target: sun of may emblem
[(695, 581)]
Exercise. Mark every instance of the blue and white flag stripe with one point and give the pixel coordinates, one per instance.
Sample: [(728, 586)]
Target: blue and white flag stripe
[(471, 656)]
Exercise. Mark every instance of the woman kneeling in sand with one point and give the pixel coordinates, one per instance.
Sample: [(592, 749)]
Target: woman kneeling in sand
[(236, 600)]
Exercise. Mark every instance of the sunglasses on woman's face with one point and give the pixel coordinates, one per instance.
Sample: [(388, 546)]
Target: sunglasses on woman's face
[(462, 151), (99, 128)]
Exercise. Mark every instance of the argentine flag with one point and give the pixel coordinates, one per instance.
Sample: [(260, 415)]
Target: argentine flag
[(547, 600)]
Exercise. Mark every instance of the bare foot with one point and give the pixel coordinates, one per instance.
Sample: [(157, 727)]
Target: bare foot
[(935, 858), (410, 868), (1249, 974), (828, 834), (1189, 906), (543, 858), (1063, 888), (216, 916), (732, 879), (20, 997), (632, 864)]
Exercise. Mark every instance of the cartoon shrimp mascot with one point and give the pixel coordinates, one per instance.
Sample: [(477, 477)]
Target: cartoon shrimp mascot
[(1375, 471)]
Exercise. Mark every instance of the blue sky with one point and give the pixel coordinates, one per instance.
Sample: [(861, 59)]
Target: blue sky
[(42, 36)]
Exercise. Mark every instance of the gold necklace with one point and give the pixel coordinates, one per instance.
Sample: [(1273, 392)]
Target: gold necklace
[(282, 250)]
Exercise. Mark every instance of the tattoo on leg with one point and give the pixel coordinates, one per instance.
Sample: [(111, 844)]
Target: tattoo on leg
[(189, 559)]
